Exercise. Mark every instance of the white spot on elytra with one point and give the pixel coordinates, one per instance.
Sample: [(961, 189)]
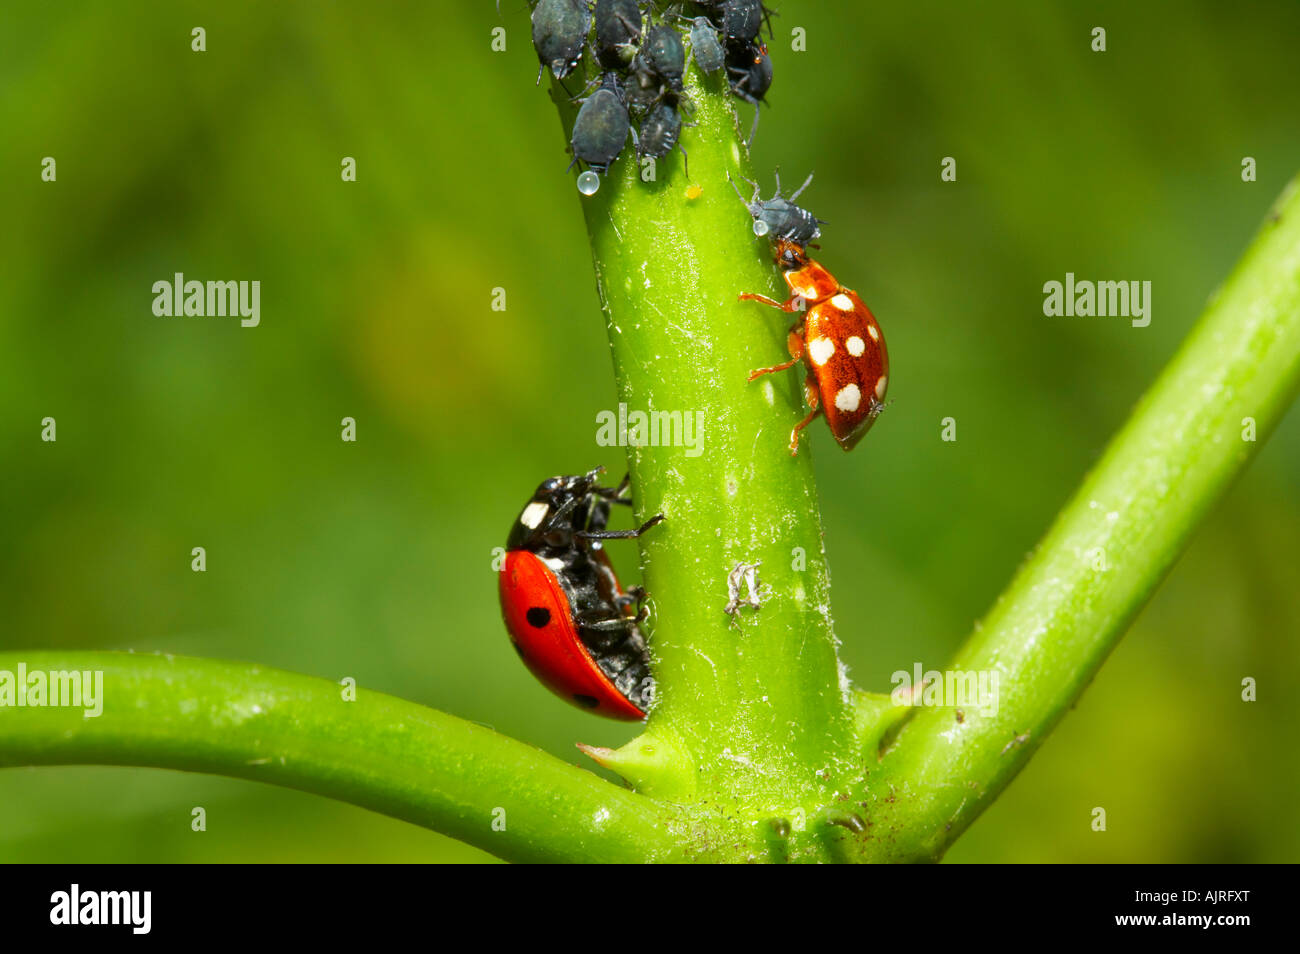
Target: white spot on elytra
[(871, 330), (856, 346), (820, 350), (849, 397), (842, 302), (880, 387), (533, 514)]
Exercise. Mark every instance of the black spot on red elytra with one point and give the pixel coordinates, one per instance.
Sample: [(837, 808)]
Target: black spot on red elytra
[(589, 702), (538, 616)]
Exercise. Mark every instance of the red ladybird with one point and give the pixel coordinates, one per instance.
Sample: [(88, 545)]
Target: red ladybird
[(573, 625), (840, 342)]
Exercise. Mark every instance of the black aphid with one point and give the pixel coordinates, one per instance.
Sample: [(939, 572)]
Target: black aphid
[(560, 29), (705, 48), (662, 59), (601, 128), (740, 20), (661, 131), (750, 71), (618, 29), (779, 218)]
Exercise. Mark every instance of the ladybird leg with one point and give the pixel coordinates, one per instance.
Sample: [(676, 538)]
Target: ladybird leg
[(630, 597), (786, 366), (810, 395), (792, 304), (639, 594), (606, 624), (794, 344), (599, 515), (794, 435), (616, 494), (561, 514), (633, 597), (619, 534)]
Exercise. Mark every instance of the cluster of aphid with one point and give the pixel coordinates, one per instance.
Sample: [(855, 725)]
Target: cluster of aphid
[(640, 91)]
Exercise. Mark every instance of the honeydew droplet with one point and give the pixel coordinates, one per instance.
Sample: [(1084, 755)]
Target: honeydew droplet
[(761, 228), (588, 183)]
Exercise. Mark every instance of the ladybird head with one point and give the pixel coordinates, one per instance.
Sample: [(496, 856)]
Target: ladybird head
[(789, 255), (558, 507)]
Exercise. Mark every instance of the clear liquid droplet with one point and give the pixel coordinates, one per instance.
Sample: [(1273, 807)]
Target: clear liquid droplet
[(588, 183), (761, 228)]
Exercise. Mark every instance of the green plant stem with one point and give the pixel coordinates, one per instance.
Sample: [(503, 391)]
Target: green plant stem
[(378, 752), (751, 715), (1072, 600)]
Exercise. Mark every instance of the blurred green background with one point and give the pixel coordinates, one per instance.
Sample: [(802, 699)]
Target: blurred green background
[(373, 559)]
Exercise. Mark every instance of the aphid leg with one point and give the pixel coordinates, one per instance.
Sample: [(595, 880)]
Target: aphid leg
[(806, 183), (735, 188), (753, 130)]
